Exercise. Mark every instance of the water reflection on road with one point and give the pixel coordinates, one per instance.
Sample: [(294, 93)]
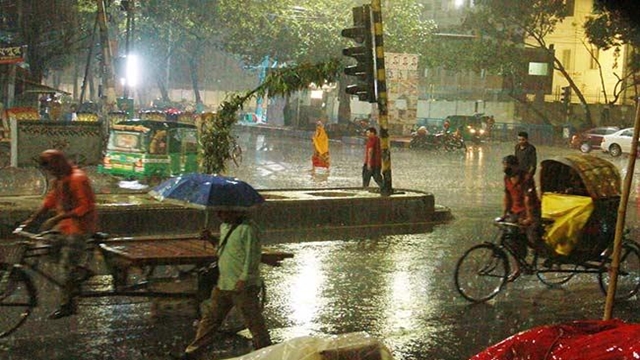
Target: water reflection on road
[(398, 288)]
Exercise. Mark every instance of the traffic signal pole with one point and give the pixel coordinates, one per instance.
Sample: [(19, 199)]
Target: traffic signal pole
[(383, 119), (370, 76)]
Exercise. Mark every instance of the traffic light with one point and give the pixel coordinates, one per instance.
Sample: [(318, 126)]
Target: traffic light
[(566, 95), (365, 70)]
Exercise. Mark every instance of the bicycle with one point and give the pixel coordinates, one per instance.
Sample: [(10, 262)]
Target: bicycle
[(484, 269), (20, 260)]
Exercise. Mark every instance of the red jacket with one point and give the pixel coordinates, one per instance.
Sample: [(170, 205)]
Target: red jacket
[(74, 193)]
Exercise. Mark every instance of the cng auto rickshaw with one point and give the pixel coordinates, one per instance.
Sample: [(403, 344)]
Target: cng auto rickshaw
[(580, 197), (145, 149)]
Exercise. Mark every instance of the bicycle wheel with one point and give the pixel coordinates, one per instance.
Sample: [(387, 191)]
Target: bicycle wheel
[(481, 272), (628, 273), (17, 298), (555, 274)]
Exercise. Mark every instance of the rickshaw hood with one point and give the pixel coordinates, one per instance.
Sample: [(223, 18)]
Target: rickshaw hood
[(600, 177)]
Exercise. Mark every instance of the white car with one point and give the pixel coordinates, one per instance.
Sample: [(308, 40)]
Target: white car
[(617, 143)]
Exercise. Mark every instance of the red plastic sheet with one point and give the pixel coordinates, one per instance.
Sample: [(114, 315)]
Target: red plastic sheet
[(593, 340)]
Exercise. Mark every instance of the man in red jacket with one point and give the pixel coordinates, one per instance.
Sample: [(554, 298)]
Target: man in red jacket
[(73, 200)]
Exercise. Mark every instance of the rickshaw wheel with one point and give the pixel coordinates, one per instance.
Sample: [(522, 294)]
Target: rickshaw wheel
[(555, 274), (481, 272), (628, 282)]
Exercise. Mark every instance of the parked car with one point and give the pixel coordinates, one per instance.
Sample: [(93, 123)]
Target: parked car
[(617, 143), (591, 139)]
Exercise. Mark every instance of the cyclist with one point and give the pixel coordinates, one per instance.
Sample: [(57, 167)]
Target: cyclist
[(521, 206), (73, 200)]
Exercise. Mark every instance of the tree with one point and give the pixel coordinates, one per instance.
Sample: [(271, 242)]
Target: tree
[(294, 32), (611, 27), (53, 33), (507, 26)]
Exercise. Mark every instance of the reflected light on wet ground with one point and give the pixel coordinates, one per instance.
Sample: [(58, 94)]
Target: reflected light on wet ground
[(398, 288)]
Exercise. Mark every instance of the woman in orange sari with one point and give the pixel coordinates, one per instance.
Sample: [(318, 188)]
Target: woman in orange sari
[(320, 157)]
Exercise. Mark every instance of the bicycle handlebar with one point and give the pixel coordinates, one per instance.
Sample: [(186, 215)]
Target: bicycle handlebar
[(499, 222), (34, 236)]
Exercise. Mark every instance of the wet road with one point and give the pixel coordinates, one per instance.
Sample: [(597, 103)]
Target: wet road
[(397, 288)]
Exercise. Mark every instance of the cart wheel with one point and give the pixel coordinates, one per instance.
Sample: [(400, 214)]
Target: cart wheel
[(17, 298), (628, 273), (556, 274), (482, 272)]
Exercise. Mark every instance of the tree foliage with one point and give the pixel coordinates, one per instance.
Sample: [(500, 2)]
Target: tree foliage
[(53, 31), (505, 25)]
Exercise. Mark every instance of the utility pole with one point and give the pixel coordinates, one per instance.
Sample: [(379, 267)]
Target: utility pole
[(129, 6), (369, 72), (109, 95), (383, 112)]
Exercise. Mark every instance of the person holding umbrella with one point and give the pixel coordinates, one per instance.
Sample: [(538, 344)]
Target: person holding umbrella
[(239, 284)]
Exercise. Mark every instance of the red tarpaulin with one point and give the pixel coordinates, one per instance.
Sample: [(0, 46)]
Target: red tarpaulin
[(579, 340)]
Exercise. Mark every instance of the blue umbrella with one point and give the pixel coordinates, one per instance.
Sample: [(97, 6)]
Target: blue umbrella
[(208, 192)]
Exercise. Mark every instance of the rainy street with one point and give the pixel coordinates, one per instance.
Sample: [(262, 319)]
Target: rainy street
[(397, 288)]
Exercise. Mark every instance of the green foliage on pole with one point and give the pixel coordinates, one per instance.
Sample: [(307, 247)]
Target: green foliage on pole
[(216, 138)]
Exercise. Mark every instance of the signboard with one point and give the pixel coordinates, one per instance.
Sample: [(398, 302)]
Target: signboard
[(402, 90), (12, 55), (81, 141), (535, 73)]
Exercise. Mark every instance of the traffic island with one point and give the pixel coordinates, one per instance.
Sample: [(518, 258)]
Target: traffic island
[(287, 214), (303, 214)]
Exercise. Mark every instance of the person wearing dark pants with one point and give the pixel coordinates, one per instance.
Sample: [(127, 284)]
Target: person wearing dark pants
[(239, 284), (372, 159)]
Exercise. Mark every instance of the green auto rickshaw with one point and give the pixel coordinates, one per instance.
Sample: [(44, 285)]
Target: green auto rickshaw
[(145, 149)]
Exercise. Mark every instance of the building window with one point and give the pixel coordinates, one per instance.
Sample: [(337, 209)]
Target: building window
[(566, 59), (570, 7)]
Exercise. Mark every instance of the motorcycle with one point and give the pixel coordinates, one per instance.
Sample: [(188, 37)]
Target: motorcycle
[(443, 140)]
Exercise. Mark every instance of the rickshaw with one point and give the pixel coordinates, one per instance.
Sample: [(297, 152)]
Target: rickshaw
[(580, 197), (144, 149)]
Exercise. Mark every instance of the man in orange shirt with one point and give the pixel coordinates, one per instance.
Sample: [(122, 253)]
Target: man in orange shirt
[(73, 200)]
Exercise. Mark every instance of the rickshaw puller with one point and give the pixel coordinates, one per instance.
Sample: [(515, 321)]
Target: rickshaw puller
[(521, 206)]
